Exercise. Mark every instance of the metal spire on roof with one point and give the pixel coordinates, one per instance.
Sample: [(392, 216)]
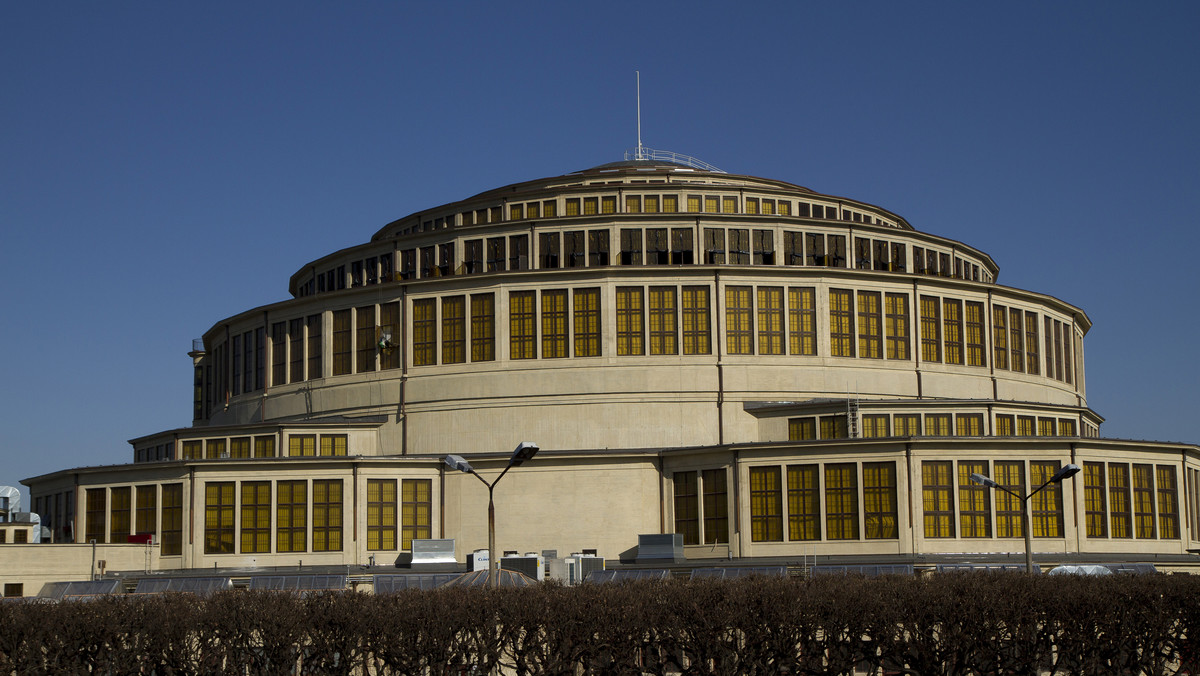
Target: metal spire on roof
[(641, 152)]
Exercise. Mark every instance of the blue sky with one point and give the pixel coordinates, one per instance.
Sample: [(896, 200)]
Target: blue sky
[(165, 165)]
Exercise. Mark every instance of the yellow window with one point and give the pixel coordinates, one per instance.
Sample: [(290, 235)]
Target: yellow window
[(587, 322), (327, 515), (841, 501), (416, 511), (841, 317), (802, 429), (218, 517), (291, 516), (256, 517), (522, 335), (802, 321), (381, 514), (804, 502), (766, 505), (664, 330), (630, 321), (937, 480)]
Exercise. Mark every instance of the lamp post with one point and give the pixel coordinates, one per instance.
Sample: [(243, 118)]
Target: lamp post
[(524, 451), (1064, 473)]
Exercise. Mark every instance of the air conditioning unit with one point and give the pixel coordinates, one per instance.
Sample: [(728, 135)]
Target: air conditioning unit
[(531, 565), (479, 559), (573, 569)]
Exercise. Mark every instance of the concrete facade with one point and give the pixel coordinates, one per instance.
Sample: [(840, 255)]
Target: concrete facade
[(666, 335)]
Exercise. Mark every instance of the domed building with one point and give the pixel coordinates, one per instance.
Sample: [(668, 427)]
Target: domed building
[(772, 373)]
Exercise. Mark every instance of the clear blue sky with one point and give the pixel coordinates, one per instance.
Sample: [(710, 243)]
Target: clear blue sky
[(165, 165)]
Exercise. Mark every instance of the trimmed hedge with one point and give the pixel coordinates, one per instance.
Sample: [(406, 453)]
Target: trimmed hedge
[(969, 623)]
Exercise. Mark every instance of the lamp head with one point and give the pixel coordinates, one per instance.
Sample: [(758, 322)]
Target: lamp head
[(524, 451), (985, 481), (459, 463), (1065, 473)]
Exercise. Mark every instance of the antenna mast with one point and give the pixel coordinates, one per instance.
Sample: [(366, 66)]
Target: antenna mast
[(641, 155)]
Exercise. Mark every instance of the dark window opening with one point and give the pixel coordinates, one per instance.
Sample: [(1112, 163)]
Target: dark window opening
[(518, 252), (681, 246), (372, 270), (881, 255), (631, 247), (739, 246), (573, 243), (862, 253), (793, 248), (597, 247), (815, 245), (897, 257), (714, 246), (427, 259), (495, 254), (764, 247), (657, 252), (548, 250), (473, 256), (837, 251), (385, 268)]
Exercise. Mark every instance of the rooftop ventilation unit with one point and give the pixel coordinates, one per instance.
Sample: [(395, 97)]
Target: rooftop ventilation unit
[(530, 565)]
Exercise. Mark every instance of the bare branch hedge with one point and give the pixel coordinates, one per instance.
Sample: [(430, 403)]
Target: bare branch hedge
[(949, 624)]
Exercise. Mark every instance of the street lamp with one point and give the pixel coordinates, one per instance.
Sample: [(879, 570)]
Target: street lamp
[(1064, 473), (524, 451)]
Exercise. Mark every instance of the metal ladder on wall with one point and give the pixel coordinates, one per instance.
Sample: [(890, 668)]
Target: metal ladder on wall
[(852, 416)]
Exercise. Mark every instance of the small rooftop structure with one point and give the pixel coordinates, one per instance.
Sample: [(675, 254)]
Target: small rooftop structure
[(479, 578)]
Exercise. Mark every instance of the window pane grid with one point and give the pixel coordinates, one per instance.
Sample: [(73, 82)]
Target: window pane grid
[(522, 334), (696, 320), (766, 508), (974, 501), (952, 325), (1010, 475), (1094, 492), (554, 324), (879, 500), (630, 321), (739, 320), (870, 335), (663, 328), (804, 502), (327, 515), (256, 517), (896, 325), (416, 511), (841, 317), (1120, 515), (1143, 501), (218, 517), (454, 330), (770, 320), (587, 322), (938, 498), (483, 327), (1168, 503), (716, 506), (931, 345), (1046, 507), (381, 514), (802, 321), (687, 507), (291, 516)]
